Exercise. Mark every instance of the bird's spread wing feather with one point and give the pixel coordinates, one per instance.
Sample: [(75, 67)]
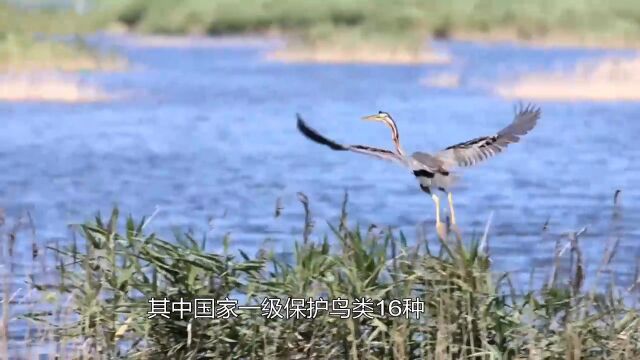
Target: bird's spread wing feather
[(471, 152), (314, 136), (428, 162)]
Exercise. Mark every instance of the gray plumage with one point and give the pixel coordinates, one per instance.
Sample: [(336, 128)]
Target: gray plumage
[(473, 151), (437, 171)]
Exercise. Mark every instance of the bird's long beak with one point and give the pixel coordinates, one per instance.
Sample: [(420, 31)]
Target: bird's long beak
[(373, 117)]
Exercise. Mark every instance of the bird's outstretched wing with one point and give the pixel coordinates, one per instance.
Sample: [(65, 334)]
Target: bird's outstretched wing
[(476, 150), (314, 136)]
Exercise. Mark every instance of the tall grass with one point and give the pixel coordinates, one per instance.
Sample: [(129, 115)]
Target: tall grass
[(46, 21), (22, 52), (396, 16), (108, 275), (350, 30), (578, 19)]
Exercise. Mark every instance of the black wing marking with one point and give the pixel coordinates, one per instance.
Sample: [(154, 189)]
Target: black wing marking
[(314, 136)]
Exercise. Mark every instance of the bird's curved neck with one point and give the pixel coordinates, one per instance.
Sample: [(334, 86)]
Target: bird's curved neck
[(395, 135)]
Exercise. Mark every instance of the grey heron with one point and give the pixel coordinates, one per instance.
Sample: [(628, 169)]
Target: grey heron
[(437, 171)]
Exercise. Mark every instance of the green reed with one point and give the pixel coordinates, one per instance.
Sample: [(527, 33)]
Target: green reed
[(106, 278)]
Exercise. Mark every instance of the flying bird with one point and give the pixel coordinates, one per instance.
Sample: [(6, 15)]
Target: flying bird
[(437, 171)]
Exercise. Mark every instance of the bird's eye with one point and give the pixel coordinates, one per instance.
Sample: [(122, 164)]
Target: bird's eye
[(380, 112)]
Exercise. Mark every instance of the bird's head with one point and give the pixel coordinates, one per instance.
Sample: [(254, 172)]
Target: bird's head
[(380, 116), (385, 118)]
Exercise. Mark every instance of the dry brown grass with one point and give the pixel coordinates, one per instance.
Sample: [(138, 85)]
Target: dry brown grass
[(555, 39), (48, 88), (604, 80), (346, 53), (26, 65)]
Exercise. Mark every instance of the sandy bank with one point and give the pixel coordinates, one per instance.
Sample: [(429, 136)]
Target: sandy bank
[(608, 79), (556, 39), (357, 47), (48, 88), (361, 54), (197, 41), (63, 65), (284, 50)]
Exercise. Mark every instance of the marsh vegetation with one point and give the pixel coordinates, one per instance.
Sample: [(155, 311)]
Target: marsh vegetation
[(108, 274), (341, 31)]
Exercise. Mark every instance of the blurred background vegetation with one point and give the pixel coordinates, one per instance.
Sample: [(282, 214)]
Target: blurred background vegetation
[(582, 18), (392, 22)]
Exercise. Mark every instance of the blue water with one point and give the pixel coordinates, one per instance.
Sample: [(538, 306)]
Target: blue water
[(207, 137)]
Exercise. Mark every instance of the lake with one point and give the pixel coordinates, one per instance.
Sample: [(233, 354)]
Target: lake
[(207, 137)]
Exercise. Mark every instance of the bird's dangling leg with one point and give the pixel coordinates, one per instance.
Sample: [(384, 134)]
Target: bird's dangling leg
[(440, 226), (436, 200), (452, 213)]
